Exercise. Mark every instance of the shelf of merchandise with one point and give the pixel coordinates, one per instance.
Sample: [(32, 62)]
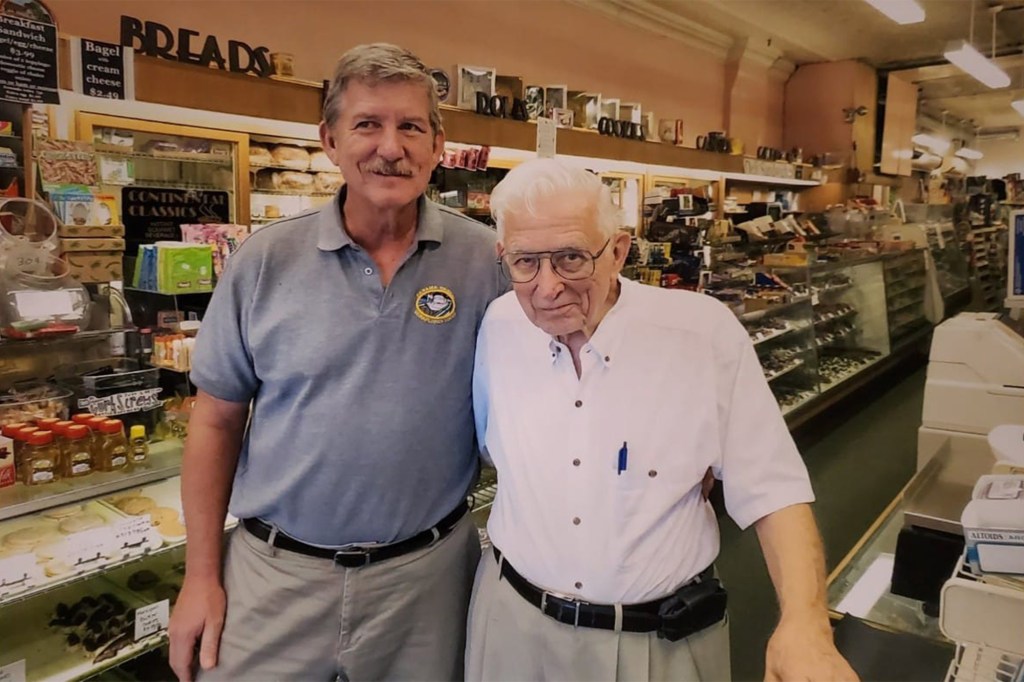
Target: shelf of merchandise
[(164, 462), (835, 317), (849, 374), (78, 337), (826, 291), (835, 340), (904, 306), (769, 180), (185, 157), (790, 409), (287, 193), (258, 167), (755, 315), (796, 364), (771, 337), (168, 184)]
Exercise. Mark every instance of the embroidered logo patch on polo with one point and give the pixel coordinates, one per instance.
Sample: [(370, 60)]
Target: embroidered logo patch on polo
[(435, 304)]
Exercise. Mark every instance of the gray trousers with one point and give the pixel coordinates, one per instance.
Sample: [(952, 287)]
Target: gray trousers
[(510, 640), (293, 617)]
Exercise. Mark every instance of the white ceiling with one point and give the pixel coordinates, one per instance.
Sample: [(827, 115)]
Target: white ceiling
[(804, 31)]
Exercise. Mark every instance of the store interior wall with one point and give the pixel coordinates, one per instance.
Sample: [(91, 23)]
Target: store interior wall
[(544, 42), (1002, 157)]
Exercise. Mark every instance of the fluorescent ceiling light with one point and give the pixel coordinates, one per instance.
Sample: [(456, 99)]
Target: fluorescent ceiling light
[(975, 64), (936, 144), (1018, 104), (900, 11), (968, 153)]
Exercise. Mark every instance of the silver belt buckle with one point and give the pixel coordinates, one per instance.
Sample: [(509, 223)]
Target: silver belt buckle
[(353, 551)]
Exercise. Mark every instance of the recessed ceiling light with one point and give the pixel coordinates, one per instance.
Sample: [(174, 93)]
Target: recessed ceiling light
[(973, 63), (900, 11)]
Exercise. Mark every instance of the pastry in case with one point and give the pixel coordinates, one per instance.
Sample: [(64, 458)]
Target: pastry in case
[(280, 181), (290, 156)]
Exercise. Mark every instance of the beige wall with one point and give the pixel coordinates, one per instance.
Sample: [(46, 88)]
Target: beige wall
[(1002, 157), (546, 41)]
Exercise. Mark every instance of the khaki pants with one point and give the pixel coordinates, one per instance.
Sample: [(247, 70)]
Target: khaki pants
[(510, 640), (293, 617)]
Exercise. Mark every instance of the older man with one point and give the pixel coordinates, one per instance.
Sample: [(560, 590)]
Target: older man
[(348, 334), (602, 403)]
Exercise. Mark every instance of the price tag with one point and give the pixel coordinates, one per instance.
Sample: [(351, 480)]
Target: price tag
[(18, 573), (133, 534), (88, 547), (547, 132), (14, 672), (152, 618)]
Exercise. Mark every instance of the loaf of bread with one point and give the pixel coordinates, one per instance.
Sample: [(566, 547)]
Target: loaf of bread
[(328, 182), (260, 156), (290, 156), (285, 180), (318, 161)]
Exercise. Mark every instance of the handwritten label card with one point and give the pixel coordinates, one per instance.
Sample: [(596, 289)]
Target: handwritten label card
[(151, 619)]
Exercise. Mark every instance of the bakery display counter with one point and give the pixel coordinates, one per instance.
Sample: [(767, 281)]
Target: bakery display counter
[(86, 628)]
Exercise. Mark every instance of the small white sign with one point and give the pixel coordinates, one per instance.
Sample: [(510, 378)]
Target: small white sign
[(547, 132), (14, 672), (132, 534), (87, 547), (18, 573), (151, 619)]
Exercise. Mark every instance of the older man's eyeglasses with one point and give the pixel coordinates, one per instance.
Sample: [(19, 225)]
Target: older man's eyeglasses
[(521, 268)]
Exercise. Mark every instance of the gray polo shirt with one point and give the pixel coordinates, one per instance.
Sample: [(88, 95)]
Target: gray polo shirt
[(362, 425)]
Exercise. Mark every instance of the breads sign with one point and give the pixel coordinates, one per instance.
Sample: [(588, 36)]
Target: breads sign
[(156, 40)]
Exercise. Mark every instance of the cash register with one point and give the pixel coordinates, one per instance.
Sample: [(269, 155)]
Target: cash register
[(975, 383)]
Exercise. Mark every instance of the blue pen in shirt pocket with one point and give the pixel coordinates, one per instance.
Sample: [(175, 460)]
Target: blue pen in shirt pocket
[(623, 457)]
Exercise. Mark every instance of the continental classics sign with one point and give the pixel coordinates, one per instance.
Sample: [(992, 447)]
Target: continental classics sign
[(153, 214), (191, 47)]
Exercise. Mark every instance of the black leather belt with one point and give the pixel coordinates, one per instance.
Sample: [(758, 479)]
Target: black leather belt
[(355, 556), (693, 607)]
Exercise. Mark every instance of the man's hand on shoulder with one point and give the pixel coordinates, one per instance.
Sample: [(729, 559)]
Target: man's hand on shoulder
[(198, 618), (802, 650)]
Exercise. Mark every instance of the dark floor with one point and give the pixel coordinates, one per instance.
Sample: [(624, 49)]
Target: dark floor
[(859, 455)]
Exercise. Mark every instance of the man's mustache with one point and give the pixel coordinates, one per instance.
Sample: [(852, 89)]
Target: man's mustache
[(382, 167)]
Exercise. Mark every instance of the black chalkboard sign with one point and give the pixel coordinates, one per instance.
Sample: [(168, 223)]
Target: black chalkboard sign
[(28, 61), (153, 214), (103, 72)]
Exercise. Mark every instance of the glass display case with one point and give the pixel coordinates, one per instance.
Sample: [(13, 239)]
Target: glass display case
[(78, 556), (783, 336), (850, 323), (205, 166), (952, 270), (288, 176), (905, 283), (657, 187)]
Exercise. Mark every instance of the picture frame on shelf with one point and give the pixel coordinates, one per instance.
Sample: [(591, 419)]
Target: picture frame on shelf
[(564, 118), (591, 110), (609, 108), (650, 125), (470, 81), (632, 112), (555, 97), (533, 96)]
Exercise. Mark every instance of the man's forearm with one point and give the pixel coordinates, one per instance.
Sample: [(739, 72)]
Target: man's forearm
[(796, 561), (207, 472)]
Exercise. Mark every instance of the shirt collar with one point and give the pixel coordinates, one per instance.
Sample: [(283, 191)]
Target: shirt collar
[(333, 236), (607, 339)]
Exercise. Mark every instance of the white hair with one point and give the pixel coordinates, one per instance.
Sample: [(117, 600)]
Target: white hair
[(528, 183)]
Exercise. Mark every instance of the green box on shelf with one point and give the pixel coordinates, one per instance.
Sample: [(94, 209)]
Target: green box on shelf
[(184, 268)]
